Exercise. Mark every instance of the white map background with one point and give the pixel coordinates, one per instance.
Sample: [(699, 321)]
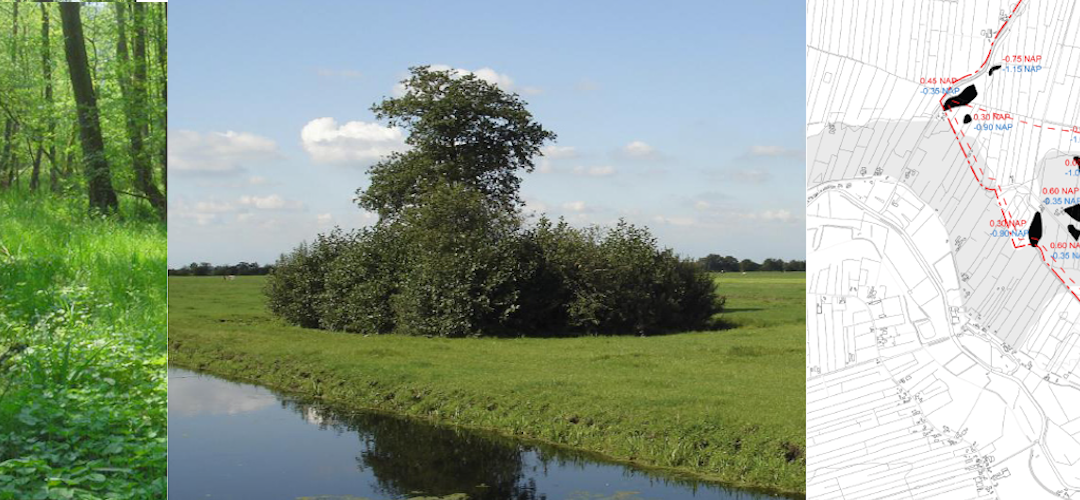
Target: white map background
[(942, 348)]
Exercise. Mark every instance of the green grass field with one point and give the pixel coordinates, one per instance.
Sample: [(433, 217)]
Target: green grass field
[(723, 405), (83, 405)]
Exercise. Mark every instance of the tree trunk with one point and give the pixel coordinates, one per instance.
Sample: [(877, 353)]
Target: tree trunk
[(133, 90), (162, 56), (46, 69), (99, 180), (8, 159)]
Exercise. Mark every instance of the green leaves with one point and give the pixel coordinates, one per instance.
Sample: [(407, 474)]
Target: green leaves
[(450, 256), (86, 414), (463, 130)]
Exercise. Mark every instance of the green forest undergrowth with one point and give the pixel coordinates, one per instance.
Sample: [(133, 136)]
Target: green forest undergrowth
[(83, 406)]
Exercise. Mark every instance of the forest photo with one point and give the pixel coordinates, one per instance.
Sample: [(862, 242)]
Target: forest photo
[(83, 250)]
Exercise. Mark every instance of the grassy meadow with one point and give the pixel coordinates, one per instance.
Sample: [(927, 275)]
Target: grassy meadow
[(724, 405), (82, 344)]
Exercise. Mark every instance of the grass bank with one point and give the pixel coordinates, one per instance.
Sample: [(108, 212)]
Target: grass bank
[(82, 337), (726, 405)]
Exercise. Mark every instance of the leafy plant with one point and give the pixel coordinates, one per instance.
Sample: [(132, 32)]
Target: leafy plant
[(450, 255)]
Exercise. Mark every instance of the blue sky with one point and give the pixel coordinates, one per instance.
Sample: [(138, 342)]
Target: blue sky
[(687, 119)]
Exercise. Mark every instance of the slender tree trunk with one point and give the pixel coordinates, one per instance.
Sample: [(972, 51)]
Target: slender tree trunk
[(133, 90), (8, 159), (7, 170), (46, 70), (96, 166), (162, 56), (36, 172)]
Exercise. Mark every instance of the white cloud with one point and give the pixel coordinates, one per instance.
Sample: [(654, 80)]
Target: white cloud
[(272, 202), (597, 171), (214, 207), (203, 213), (575, 206), (501, 80), (534, 205), (486, 74), (324, 219), (355, 142), (254, 180), (776, 151), (559, 152), (219, 152), (777, 215), (674, 221), (638, 150)]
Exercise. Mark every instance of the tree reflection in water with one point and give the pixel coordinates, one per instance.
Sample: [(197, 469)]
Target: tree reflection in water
[(411, 458)]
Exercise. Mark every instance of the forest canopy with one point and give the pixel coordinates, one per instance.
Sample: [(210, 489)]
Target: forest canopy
[(83, 101)]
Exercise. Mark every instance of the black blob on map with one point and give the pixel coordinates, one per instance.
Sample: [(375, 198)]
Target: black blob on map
[(967, 118), (1076, 161), (969, 94), (993, 69), (1074, 212), (1035, 230), (1074, 232)]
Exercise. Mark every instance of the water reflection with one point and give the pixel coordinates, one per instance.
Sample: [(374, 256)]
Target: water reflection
[(194, 394), (230, 441)]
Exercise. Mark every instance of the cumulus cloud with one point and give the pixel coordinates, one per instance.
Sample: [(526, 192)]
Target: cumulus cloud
[(596, 171), (776, 151), (217, 152), (501, 80), (351, 143), (202, 213), (271, 202), (638, 150), (559, 152), (324, 219)]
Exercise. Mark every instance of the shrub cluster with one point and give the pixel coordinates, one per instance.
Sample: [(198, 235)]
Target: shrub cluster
[(450, 255), (456, 266)]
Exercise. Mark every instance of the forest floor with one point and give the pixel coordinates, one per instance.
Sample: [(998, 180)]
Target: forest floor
[(83, 405), (726, 405)]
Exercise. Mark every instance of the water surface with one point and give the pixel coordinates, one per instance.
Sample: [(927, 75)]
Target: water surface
[(240, 441)]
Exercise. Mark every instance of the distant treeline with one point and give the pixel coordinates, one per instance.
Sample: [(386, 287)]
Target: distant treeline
[(712, 263), (716, 263), (206, 269)]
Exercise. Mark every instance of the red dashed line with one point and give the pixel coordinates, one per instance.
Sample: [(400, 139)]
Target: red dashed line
[(995, 189)]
